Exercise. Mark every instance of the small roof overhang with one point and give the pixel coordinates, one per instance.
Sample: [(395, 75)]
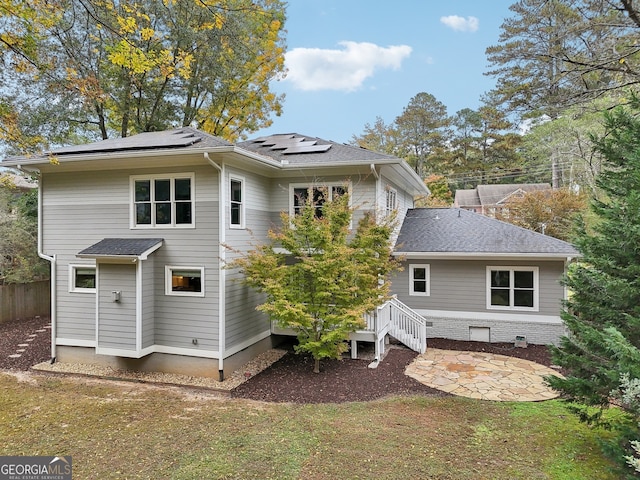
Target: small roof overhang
[(120, 249)]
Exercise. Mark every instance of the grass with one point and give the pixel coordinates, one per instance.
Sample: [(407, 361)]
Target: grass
[(114, 431)]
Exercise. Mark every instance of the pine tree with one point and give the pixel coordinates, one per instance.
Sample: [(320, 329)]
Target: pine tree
[(603, 310)]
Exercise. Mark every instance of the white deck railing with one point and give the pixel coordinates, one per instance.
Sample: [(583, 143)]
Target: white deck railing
[(401, 322)]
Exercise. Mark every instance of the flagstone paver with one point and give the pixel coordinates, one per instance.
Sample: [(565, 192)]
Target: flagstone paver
[(482, 375)]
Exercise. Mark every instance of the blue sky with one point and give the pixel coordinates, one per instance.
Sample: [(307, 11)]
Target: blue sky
[(351, 61)]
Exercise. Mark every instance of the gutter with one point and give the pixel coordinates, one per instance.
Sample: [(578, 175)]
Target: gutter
[(53, 276), (222, 272)]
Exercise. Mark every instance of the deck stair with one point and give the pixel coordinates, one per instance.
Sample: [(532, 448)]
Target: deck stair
[(397, 320), (393, 318)]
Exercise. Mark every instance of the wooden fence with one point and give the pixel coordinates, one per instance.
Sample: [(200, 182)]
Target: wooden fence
[(25, 300)]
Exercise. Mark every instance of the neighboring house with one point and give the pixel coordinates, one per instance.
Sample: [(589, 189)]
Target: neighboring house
[(489, 199), (477, 278), (135, 230)]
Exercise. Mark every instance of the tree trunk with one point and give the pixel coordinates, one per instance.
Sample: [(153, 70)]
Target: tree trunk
[(316, 365)]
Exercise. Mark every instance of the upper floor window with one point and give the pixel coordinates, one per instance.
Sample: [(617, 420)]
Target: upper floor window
[(391, 201), (317, 195), (512, 288), (163, 201), (236, 201)]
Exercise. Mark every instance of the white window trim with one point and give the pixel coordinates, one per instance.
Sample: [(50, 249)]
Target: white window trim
[(72, 278), (167, 176), (329, 185), (168, 276), (242, 224), (390, 193), (536, 288), (427, 274)]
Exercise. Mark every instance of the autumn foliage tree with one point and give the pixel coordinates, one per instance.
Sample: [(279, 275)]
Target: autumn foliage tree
[(80, 70), (552, 212), (328, 279)]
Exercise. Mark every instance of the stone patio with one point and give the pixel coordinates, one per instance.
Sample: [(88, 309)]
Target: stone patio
[(483, 376)]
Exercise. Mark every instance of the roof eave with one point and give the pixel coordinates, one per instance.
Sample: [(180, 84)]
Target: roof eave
[(485, 255), (115, 155)]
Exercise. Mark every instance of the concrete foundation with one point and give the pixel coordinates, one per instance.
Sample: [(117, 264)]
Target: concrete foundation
[(164, 362)]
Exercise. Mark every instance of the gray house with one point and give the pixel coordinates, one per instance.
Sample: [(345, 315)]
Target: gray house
[(476, 278), (135, 230)]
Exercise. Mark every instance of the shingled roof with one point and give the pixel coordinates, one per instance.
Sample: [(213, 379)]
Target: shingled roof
[(457, 231), (297, 149), (184, 137), (122, 248)]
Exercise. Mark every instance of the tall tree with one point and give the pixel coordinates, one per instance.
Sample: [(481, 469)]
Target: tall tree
[(328, 280), (378, 137), (556, 53), (567, 139), (112, 68), (484, 147), (603, 312), (423, 128)]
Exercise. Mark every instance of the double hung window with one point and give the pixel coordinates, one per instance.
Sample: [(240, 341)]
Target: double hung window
[(391, 201), (419, 281), (163, 201), (236, 214), (512, 288)]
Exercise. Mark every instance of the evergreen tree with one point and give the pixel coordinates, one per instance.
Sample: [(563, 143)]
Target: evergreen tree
[(603, 311)]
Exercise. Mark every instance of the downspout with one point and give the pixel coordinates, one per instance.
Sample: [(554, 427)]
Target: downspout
[(53, 276), (222, 272)]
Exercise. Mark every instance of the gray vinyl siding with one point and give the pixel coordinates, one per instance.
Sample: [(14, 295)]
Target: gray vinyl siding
[(117, 320), (460, 285), (80, 305), (82, 208), (148, 302), (403, 198), (363, 193), (243, 321)]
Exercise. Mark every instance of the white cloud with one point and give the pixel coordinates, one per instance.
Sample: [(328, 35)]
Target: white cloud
[(321, 69), (460, 24)]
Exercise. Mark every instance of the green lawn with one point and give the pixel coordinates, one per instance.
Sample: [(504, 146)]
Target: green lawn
[(132, 431)]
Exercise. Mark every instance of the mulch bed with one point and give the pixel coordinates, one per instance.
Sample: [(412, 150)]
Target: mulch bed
[(291, 379), (18, 332)]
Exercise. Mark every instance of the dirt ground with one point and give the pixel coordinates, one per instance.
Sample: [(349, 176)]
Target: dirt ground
[(290, 379)]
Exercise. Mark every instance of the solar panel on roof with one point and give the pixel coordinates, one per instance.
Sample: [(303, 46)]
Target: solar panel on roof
[(307, 149), (283, 145), (272, 140), (147, 140), (291, 144)]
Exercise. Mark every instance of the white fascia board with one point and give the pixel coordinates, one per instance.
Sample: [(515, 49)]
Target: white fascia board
[(113, 155), (483, 256), (258, 157)]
